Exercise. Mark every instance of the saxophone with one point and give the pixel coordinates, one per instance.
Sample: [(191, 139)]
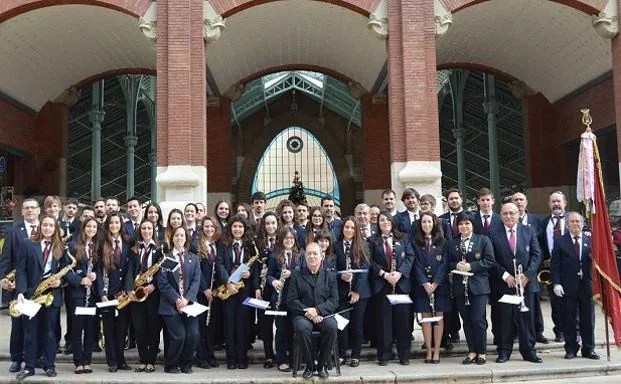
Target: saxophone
[(282, 286), (222, 293), (40, 296), (11, 278)]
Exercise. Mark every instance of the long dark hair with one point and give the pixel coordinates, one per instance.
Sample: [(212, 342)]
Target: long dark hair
[(80, 246), (203, 249), (396, 234), (154, 237), (228, 239), (310, 227), (215, 210), (108, 248), (279, 250), (358, 250), (437, 235), (168, 237), (324, 234), (262, 240), (56, 242), (160, 219)]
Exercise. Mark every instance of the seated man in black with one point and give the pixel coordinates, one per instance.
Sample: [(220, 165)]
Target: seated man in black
[(312, 296)]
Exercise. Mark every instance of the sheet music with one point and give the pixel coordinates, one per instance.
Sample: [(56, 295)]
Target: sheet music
[(399, 299), (275, 313), (28, 308), (341, 322), (434, 319), (109, 303), (194, 309), (256, 303), (85, 311), (456, 272), (236, 276), (510, 299)]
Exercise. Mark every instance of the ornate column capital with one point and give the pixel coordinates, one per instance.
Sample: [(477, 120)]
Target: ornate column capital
[(356, 90), (235, 92), (213, 24), (443, 24), (131, 141), (147, 24), (378, 21), (606, 25), (69, 97)]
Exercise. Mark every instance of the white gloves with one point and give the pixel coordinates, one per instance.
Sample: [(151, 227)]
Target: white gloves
[(558, 290)]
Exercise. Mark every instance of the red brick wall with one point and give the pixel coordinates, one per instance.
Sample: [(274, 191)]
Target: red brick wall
[(12, 8), (587, 6), (227, 8), (616, 73), (219, 147), (376, 133), (16, 127)]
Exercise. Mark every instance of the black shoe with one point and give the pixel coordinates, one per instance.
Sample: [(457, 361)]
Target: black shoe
[(428, 361), (423, 346), (231, 366), (502, 358), (39, 363), (559, 338), (323, 373), (354, 362), (404, 362), (268, 363), (455, 339), (542, 339), (435, 361), (140, 369), (591, 355), (97, 348), (58, 350), (242, 366), (187, 370), (51, 373), (569, 356), (112, 369), (68, 351), (124, 367), (219, 347), (214, 363), (308, 372), (533, 359), (448, 346), (468, 360), (173, 370), (204, 365), (480, 360), (24, 374), (15, 367), (383, 363)]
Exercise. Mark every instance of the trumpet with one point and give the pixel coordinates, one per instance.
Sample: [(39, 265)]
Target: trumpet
[(545, 275), (519, 287)]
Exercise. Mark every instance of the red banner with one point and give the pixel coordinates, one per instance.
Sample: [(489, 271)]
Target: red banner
[(605, 273)]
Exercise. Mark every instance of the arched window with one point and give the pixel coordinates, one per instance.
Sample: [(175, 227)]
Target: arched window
[(296, 149)]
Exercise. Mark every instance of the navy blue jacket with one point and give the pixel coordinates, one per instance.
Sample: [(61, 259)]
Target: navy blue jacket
[(565, 265), (527, 254), (224, 267), (273, 273), (404, 257), (134, 269), (335, 227), (30, 267), (10, 249), (361, 282), (130, 230), (168, 284), (481, 258), (116, 277), (74, 228), (447, 227), (437, 260), (495, 222), (208, 268), (404, 224), (75, 276)]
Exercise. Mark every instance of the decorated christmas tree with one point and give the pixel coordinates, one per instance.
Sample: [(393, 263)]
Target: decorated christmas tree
[(296, 192)]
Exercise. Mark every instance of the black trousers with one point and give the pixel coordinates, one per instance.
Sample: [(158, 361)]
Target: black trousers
[(351, 336), (303, 336), (40, 334), (475, 322), (16, 344), (452, 323), (266, 329), (115, 330), (147, 326), (537, 313), (512, 320), (284, 338), (557, 318), (183, 339), (204, 350), (582, 304), (392, 321), (82, 334), (237, 333), (70, 309)]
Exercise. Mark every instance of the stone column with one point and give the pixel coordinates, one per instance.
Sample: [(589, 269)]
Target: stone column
[(413, 104), (97, 117), (181, 109)]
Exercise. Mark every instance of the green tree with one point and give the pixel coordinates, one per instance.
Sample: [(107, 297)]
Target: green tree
[(296, 192)]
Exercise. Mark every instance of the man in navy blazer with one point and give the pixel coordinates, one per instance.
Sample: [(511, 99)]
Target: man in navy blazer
[(133, 217), (8, 262), (515, 247), (405, 220), (571, 268), (328, 207), (486, 220)]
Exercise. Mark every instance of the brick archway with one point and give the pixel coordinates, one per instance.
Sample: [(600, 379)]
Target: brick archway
[(227, 8), (298, 67), (12, 8), (587, 6)]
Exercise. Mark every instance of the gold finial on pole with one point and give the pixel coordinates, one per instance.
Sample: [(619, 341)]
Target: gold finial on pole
[(586, 118)]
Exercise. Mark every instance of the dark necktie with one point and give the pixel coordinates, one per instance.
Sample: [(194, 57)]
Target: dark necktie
[(144, 258), (46, 253), (429, 244), (181, 268), (289, 261), (454, 227), (236, 253), (90, 250), (136, 227), (117, 252), (33, 231), (522, 219), (486, 224), (557, 226), (272, 240), (577, 246), (388, 252), (212, 252), (463, 249)]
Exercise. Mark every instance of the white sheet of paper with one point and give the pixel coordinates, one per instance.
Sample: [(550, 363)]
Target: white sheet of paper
[(85, 311), (510, 299), (28, 308), (194, 309), (236, 276), (256, 303), (352, 271), (399, 299), (341, 322), (109, 303), (275, 313), (434, 319), (456, 272)]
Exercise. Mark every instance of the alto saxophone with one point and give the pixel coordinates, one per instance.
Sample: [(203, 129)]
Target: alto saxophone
[(41, 296), (222, 292), (144, 278), (11, 278)]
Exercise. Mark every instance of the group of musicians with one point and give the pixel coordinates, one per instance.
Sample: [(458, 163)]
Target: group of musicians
[(118, 273)]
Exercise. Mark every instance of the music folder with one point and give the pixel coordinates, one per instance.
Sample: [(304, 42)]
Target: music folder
[(194, 309), (434, 319), (28, 307), (456, 272), (399, 299), (510, 299), (85, 311)]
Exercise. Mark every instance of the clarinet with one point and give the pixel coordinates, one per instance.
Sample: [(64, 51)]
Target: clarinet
[(213, 275), (348, 265), (89, 270), (464, 251), (393, 264), (181, 280), (432, 295), (282, 282)]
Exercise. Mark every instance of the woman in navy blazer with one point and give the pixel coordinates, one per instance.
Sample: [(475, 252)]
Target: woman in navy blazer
[(354, 288), (222, 211), (472, 253), (153, 212), (325, 240), (82, 326), (145, 319), (208, 247), (287, 257), (40, 258), (238, 249), (430, 269), (316, 224), (112, 268), (389, 247)]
